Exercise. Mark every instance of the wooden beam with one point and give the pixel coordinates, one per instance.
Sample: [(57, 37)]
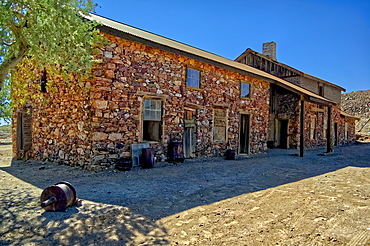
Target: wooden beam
[(289, 76), (302, 131), (329, 139)]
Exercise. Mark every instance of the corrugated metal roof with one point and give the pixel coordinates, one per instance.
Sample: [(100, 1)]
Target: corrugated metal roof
[(201, 53)]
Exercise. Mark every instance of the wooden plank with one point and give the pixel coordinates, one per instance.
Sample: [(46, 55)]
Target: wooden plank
[(329, 140), (301, 147)]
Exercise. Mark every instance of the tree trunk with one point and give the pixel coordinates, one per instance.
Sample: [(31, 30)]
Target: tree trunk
[(9, 63)]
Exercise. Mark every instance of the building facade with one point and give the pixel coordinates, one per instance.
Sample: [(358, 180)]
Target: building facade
[(283, 127), (153, 90)]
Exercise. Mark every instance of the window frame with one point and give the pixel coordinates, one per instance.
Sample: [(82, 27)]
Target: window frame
[(313, 123), (241, 90), (152, 121), (215, 125), (199, 79)]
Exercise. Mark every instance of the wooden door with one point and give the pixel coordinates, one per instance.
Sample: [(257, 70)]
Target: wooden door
[(244, 134), (190, 134), (283, 134), (24, 133), (336, 134)]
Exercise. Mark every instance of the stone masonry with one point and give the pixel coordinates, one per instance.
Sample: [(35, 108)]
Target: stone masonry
[(91, 123)]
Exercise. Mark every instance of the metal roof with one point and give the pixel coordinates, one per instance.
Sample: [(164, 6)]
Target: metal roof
[(204, 54)]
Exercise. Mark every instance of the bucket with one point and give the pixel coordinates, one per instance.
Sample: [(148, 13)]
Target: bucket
[(124, 164), (230, 154)]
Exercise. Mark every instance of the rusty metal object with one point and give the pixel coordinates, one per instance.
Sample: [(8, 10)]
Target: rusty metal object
[(58, 197)]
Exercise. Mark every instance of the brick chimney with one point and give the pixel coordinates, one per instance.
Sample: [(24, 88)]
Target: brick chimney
[(269, 49)]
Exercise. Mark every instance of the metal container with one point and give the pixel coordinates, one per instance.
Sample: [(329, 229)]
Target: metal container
[(176, 152), (58, 197), (147, 160), (230, 154), (124, 163)]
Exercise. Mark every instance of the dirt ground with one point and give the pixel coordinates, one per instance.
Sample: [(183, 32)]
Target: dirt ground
[(271, 199)]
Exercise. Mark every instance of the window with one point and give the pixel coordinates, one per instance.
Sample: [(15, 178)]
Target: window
[(245, 89), (219, 129), (325, 127), (312, 127), (152, 120), (43, 81), (321, 90), (193, 78), (346, 130)]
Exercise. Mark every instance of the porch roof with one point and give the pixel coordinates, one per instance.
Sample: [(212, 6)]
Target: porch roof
[(206, 55), (349, 116)]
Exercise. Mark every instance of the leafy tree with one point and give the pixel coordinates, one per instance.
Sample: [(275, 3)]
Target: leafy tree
[(47, 32), (5, 103)]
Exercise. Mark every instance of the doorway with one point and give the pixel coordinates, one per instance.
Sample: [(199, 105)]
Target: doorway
[(24, 133), (335, 134), (190, 133), (282, 137), (244, 134)]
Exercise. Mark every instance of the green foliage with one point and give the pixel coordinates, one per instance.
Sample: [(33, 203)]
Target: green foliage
[(49, 33), (5, 103)]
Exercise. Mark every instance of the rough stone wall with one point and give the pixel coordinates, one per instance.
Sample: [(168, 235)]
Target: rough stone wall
[(132, 72), (91, 123), (346, 135), (60, 117), (315, 135), (320, 114), (285, 105)]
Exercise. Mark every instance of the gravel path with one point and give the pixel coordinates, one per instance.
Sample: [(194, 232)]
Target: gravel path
[(149, 194)]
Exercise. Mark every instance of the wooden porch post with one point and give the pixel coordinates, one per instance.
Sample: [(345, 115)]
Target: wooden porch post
[(301, 144), (329, 140)]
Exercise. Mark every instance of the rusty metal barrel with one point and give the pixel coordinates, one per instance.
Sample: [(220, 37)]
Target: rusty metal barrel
[(58, 197), (147, 160)]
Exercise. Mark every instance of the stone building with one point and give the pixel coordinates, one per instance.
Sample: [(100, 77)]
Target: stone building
[(283, 127), (153, 91)]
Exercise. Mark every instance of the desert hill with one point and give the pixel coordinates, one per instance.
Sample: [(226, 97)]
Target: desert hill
[(358, 103)]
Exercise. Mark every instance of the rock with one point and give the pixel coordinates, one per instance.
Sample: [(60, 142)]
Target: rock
[(99, 136)]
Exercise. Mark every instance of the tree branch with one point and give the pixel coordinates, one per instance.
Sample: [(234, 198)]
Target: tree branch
[(9, 63), (6, 44)]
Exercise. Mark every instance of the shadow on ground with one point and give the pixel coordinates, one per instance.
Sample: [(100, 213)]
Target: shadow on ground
[(22, 222), (168, 189)]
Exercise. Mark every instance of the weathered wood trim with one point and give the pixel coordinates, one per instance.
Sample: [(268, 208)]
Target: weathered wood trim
[(152, 95)]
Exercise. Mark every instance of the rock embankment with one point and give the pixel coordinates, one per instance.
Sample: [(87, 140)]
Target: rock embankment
[(358, 103)]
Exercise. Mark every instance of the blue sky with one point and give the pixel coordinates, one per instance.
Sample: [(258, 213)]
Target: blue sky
[(329, 39)]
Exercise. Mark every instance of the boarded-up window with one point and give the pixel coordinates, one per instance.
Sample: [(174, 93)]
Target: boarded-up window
[(152, 125), (219, 128), (312, 127), (193, 78)]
